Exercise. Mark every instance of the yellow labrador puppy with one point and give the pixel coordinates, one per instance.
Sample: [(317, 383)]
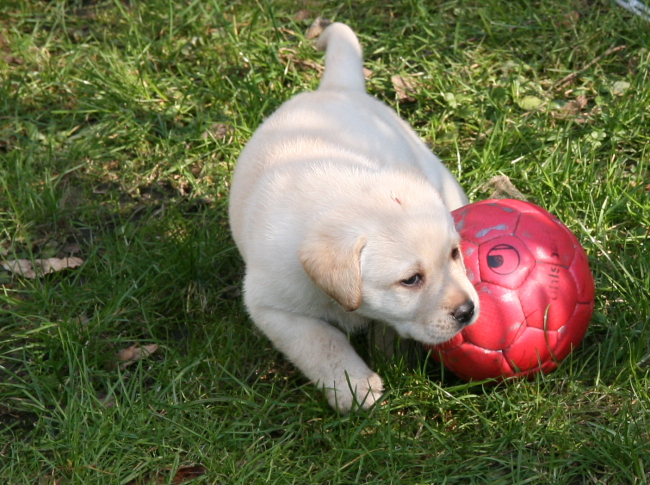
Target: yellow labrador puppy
[(342, 216)]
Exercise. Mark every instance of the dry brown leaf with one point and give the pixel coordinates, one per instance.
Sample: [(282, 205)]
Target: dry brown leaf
[(20, 266), (17, 61), (82, 320), (40, 267), (183, 475), (405, 87), (55, 264), (134, 353), (502, 188), (106, 400), (217, 130), (288, 56), (71, 248), (572, 110), (188, 473), (570, 19), (316, 28), (302, 15)]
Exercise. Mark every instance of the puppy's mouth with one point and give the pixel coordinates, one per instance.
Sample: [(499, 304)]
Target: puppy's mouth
[(445, 336), (433, 333)]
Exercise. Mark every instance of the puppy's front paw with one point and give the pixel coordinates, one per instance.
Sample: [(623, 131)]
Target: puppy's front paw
[(355, 392)]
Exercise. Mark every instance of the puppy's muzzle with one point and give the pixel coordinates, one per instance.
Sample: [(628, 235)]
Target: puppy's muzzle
[(464, 313)]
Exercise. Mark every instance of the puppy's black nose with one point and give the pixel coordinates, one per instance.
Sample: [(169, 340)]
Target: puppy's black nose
[(464, 313)]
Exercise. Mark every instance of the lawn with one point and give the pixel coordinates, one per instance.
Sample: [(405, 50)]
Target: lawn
[(120, 124)]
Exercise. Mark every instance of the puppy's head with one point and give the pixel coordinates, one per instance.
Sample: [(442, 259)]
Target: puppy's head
[(398, 261)]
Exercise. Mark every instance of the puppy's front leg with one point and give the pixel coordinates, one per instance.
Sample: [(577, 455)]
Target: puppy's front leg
[(324, 354)]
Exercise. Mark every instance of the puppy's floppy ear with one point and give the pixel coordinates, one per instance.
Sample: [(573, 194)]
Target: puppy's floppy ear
[(332, 261)]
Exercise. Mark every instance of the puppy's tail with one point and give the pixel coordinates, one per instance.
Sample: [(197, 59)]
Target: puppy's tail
[(343, 59)]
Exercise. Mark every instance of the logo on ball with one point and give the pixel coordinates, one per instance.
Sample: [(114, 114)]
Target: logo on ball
[(503, 259)]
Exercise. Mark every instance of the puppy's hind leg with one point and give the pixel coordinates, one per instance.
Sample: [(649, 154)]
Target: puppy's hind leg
[(324, 354)]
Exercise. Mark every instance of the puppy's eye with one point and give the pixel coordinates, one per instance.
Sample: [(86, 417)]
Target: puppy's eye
[(414, 280), (455, 254)]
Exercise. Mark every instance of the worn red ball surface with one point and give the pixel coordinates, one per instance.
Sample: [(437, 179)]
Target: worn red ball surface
[(535, 288)]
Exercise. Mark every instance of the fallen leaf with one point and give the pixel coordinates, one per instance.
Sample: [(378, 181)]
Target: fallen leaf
[(529, 103), (17, 61), (502, 188), (20, 266), (451, 100), (82, 320), (217, 130), (134, 353), (302, 15), (71, 248), (619, 88), (316, 27), (404, 87), (569, 110), (106, 400), (288, 56), (40, 267), (55, 264), (571, 19), (183, 475), (188, 473)]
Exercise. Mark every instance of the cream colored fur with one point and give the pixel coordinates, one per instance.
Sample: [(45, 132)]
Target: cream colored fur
[(337, 207)]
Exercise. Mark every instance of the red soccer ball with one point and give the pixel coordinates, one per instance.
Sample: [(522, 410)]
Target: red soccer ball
[(535, 288)]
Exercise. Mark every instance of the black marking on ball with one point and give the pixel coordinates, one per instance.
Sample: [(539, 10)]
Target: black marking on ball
[(554, 275), (503, 259)]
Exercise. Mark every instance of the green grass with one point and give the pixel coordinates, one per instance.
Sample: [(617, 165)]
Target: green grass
[(120, 124)]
